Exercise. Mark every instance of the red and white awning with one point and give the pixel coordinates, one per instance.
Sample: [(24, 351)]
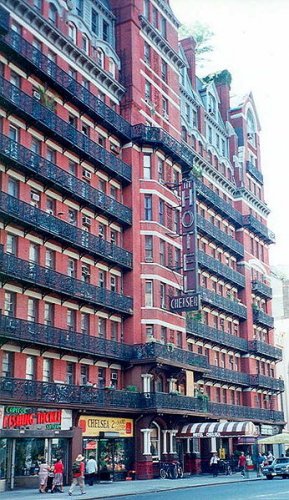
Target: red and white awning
[(218, 429)]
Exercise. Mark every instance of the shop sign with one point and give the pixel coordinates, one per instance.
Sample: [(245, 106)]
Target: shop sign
[(266, 430), (206, 434), (94, 425), (16, 417)]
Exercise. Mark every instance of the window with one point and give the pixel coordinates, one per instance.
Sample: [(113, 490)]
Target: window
[(72, 168), (148, 248), (161, 170), (72, 32), (71, 320), (155, 18), (94, 22), (102, 279), (195, 118), (52, 14), (72, 216), (149, 332), (146, 9), (164, 334), (211, 104), (162, 253), (32, 314), (48, 314), (7, 364), (15, 79), (147, 166), (111, 67), (30, 368), (188, 112), (13, 187), (79, 7), (210, 134), (11, 244), (70, 373), (148, 92), (13, 133), (179, 339), (50, 206), (37, 4), (102, 231), (84, 322), (165, 107), (51, 155), (35, 146), (105, 31), (148, 294), (71, 268), (47, 370), (72, 120), (83, 374), (34, 253), (85, 44), (147, 53), (162, 212), (10, 304), (85, 273), (163, 27), (177, 259), (164, 71), (162, 295), (114, 378), (148, 207), (114, 330), (102, 328), (113, 192), (101, 378)]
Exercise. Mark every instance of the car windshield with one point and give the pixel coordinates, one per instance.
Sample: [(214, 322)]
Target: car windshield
[(281, 461)]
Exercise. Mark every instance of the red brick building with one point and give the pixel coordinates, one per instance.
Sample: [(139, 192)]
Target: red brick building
[(102, 121)]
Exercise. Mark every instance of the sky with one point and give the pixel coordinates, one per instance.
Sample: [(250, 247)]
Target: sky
[(252, 41)]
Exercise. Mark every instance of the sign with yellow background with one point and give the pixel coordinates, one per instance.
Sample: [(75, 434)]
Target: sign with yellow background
[(92, 425)]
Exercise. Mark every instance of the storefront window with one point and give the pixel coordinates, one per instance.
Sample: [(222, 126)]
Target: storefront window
[(28, 454), (115, 456), (3, 458)]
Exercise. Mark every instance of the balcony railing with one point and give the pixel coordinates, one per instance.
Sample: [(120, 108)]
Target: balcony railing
[(251, 169), (4, 21), (220, 302), (213, 199), (28, 272), (164, 401), (258, 228), (29, 333), (262, 318), (32, 58), (262, 289), (156, 136), (240, 412), (216, 336), (259, 347), (26, 160), (13, 209), (274, 384), (221, 269), (231, 376), (40, 116), (169, 353), (227, 241)]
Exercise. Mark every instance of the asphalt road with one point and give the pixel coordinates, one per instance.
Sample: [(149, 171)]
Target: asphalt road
[(278, 489)]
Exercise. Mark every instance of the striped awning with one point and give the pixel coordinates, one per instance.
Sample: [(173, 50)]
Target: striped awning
[(218, 429)]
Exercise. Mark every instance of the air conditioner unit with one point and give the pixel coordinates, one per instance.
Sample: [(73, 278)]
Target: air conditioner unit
[(86, 174), (114, 376), (86, 221), (114, 148), (85, 271), (35, 197), (36, 95)]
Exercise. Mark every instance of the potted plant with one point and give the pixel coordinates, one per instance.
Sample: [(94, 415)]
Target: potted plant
[(131, 388)]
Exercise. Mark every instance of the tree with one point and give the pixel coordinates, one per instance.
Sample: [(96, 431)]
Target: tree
[(202, 36)]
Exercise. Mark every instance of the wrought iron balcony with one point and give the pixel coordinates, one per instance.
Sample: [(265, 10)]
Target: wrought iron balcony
[(14, 268), (220, 302), (214, 200), (268, 350), (16, 101), (235, 411), (251, 169), (4, 21), (228, 376), (274, 384), (262, 318), (164, 401), (170, 354), (13, 209), (30, 333), (216, 336), (156, 136), (33, 59), (262, 289), (227, 241), (220, 269), (47, 172), (258, 228)]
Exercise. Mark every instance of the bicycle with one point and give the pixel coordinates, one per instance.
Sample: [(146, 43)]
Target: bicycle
[(171, 470), (225, 468)]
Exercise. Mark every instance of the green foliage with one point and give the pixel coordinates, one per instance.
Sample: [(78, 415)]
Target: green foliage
[(202, 36), (131, 388)]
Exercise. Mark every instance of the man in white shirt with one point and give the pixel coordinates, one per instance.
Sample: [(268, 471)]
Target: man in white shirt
[(91, 469), (214, 463)]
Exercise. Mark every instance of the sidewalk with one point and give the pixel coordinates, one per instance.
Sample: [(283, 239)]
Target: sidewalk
[(123, 488)]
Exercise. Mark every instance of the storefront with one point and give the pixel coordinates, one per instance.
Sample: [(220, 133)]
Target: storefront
[(27, 436), (111, 442)]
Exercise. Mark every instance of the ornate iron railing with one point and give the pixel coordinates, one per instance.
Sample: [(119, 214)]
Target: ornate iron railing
[(11, 151), (164, 401), (31, 273), (258, 228), (4, 21), (274, 384), (262, 318), (65, 84), (213, 199), (170, 353), (221, 269), (236, 411), (46, 335), (251, 169), (234, 377), (216, 336), (222, 303), (227, 241), (22, 104), (262, 289), (13, 209), (259, 347)]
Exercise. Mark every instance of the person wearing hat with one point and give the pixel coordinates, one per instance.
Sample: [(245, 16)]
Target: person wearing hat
[(78, 469)]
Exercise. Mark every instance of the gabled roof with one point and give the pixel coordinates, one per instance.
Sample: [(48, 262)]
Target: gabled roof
[(242, 103)]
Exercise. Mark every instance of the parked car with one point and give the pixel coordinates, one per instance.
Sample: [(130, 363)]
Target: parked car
[(280, 467)]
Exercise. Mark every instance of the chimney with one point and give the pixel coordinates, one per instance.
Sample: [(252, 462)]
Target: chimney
[(223, 84), (189, 47)]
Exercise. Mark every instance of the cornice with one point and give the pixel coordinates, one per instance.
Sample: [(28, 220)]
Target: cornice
[(246, 195)]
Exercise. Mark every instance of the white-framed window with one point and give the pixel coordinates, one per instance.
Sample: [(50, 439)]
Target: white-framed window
[(148, 293), (102, 328), (30, 367), (148, 92), (85, 44), (162, 253), (148, 248), (111, 67), (147, 53), (47, 370), (149, 332), (155, 441), (10, 303), (147, 166), (32, 313), (72, 31), (7, 364), (48, 313), (162, 295), (100, 57), (11, 244), (84, 323), (94, 22), (71, 268), (34, 253), (71, 320)]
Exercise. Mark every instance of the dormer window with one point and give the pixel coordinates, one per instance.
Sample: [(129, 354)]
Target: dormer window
[(100, 58), (85, 44), (251, 128), (211, 105), (72, 32), (105, 31), (112, 68), (94, 22)]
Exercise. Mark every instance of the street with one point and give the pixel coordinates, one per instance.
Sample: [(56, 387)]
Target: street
[(277, 489)]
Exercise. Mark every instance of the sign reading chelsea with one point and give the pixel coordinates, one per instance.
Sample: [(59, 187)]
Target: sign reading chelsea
[(188, 302)]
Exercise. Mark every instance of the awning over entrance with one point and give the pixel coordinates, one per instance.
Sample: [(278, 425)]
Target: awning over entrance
[(218, 429)]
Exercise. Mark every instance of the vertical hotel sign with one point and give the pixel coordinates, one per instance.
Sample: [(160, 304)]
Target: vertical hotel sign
[(190, 300)]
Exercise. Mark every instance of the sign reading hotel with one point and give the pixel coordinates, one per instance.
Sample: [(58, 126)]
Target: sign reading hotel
[(16, 417), (190, 300), (92, 425)]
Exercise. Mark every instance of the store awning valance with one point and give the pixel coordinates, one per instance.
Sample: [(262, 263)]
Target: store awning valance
[(218, 429)]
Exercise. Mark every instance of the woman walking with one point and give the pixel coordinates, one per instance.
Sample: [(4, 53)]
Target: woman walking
[(43, 475), (58, 477)]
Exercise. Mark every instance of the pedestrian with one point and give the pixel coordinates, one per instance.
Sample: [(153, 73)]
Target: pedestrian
[(242, 464), (259, 464), (57, 484), (78, 469), (270, 458), (214, 463), (91, 469), (43, 475)]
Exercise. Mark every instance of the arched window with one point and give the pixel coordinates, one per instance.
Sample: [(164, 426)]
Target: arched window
[(155, 441), (85, 45), (159, 384), (100, 57), (72, 32), (52, 14)]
